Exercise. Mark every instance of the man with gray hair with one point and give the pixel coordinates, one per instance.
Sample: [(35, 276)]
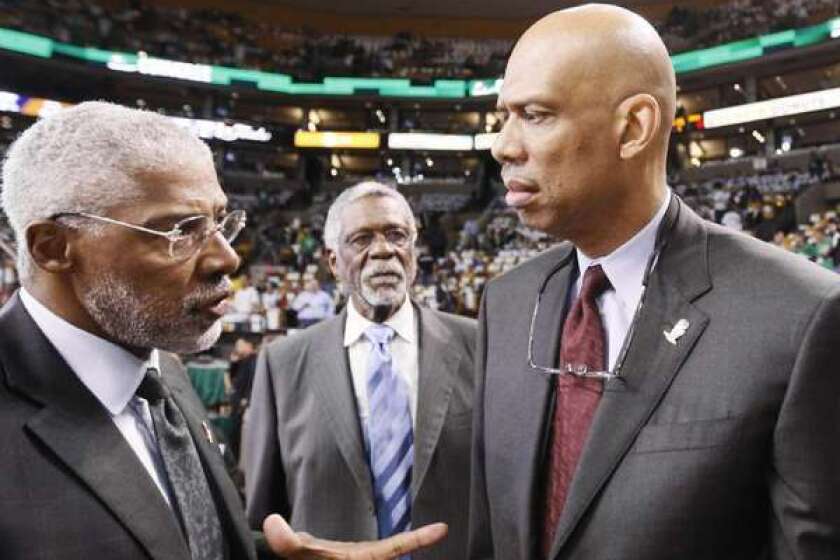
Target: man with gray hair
[(124, 254), (369, 411)]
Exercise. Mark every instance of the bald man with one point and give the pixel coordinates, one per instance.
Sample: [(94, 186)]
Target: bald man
[(656, 387)]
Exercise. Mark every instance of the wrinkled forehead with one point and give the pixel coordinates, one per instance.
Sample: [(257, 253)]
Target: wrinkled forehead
[(192, 188), (376, 212)]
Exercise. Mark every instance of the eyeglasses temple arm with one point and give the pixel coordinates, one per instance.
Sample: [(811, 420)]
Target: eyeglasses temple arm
[(167, 234)]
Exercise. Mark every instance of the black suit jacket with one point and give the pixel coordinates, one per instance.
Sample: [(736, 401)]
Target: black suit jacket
[(70, 486)]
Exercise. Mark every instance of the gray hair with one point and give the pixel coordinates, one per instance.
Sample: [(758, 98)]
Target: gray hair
[(332, 227), (89, 158)]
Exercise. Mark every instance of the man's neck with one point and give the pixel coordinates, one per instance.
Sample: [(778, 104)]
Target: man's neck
[(626, 222), (375, 313), (71, 310)]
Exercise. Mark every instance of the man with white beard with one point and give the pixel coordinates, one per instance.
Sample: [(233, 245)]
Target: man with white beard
[(369, 411), (124, 256)]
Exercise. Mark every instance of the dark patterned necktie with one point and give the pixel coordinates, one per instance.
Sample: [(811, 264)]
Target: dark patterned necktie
[(583, 343), (184, 471)]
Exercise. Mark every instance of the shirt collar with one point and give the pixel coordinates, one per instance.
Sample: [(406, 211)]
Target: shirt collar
[(108, 370), (625, 266), (402, 322)]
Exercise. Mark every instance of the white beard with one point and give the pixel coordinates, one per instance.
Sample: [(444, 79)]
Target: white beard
[(144, 320)]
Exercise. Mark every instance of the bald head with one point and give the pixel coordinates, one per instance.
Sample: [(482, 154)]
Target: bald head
[(606, 53), (589, 98)]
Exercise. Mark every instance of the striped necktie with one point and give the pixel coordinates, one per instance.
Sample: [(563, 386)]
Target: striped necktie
[(390, 436)]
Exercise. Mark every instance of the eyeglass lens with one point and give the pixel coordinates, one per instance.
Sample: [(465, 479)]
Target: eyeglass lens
[(198, 229)]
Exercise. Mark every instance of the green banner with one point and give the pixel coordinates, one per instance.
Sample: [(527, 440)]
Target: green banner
[(691, 61)]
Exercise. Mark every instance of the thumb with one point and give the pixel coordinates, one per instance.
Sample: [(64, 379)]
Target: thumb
[(279, 536)]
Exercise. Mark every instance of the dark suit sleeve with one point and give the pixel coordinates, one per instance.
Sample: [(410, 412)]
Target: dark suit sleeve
[(805, 476), (480, 540), (265, 484)]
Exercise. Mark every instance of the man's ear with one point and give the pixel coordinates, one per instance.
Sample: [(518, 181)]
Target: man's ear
[(641, 119), (50, 246), (333, 262)]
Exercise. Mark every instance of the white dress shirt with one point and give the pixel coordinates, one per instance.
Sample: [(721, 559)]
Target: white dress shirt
[(403, 353), (107, 370), (625, 269)]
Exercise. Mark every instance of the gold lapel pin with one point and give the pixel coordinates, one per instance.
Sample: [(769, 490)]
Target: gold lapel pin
[(676, 331)]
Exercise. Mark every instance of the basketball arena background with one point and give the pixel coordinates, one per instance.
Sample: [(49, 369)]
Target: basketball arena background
[(300, 99)]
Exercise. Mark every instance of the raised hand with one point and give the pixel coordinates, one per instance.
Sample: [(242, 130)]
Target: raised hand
[(288, 544)]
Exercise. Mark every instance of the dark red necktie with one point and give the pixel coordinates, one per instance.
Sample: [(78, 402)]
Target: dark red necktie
[(583, 343)]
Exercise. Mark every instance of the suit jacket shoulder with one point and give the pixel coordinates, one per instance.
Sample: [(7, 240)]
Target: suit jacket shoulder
[(733, 253), (464, 328), (318, 335), (533, 270), (62, 453)]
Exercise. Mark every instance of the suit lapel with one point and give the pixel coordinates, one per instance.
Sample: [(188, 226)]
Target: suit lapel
[(534, 415), (75, 427), (438, 362), (332, 380), (225, 494), (651, 364)]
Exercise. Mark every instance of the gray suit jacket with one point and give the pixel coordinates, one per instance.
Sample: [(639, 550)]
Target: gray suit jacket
[(723, 446), (304, 445), (71, 488)]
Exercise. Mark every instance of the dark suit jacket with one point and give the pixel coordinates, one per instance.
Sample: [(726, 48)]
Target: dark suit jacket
[(304, 449), (723, 446), (71, 488)]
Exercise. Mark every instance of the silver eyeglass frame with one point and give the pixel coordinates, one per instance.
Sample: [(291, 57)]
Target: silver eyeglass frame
[(582, 370), (239, 218)]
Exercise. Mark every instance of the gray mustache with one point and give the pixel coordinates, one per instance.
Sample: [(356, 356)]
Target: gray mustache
[(396, 271), (207, 293)]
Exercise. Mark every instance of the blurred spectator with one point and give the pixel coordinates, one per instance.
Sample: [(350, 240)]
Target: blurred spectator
[(246, 300), (313, 304), (308, 244), (469, 235), (763, 201), (434, 236), (8, 272), (732, 219), (243, 363), (818, 241), (817, 166), (425, 265)]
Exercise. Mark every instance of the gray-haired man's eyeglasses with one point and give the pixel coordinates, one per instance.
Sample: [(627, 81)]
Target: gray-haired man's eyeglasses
[(186, 237)]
